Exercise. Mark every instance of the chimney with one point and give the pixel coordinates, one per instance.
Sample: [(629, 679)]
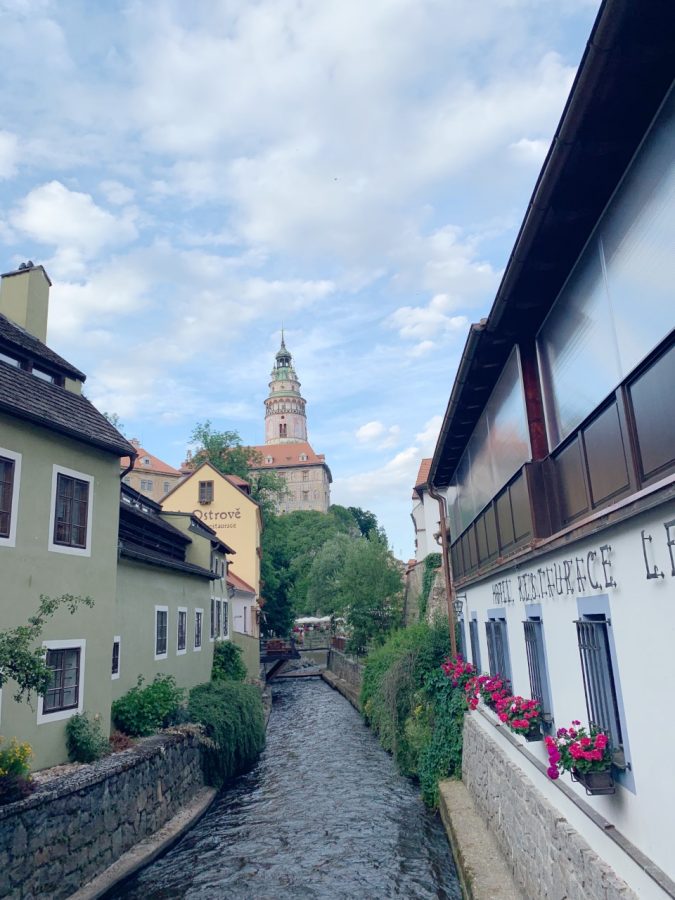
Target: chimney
[(24, 298)]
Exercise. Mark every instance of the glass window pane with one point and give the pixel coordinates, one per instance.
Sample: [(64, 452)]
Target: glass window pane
[(653, 400), (507, 421), (577, 350), (638, 239), (606, 456)]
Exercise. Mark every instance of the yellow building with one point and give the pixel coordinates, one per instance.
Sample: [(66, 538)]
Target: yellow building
[(219, 502)]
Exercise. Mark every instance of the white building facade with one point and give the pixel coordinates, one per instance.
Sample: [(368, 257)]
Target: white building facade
[(558, 449)]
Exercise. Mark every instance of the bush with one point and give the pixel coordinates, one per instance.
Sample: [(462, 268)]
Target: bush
[(234, 723), (15, 781), (144, 710), (432, 563), (413, 706), (85, 740), (227, 662)]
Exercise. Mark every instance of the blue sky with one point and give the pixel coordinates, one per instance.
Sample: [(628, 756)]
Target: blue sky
[(192, 175)]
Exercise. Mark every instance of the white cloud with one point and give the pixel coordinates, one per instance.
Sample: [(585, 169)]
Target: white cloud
[(530, 151), (426, 439), (421, 323), (377, 433), (369, 432), (9, 153), (117, 193), (71, 222)]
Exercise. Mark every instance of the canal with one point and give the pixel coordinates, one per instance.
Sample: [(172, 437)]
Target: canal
[(324, 814)]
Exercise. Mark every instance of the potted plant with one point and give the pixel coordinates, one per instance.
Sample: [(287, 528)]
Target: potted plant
[(490, 688), (585, 754), (458, 671), (521, 715)]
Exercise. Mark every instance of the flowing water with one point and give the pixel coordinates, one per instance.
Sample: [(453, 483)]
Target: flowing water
[(324, 814)]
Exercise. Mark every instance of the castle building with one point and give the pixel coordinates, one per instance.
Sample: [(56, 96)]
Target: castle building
[(286, 450)]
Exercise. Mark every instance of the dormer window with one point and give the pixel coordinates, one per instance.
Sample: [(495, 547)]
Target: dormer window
[(146, 461), (269, 460), (206, 492), (303, 457)]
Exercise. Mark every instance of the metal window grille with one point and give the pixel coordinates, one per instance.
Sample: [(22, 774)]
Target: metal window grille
[(536, 664), (475, 645), (182, 630), (498, 648), (161, 630), (218, 619), (115, 658), (6, 487), (599, 684)]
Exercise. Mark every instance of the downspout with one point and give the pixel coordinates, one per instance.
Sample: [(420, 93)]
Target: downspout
[(132, 460), (447, 572)]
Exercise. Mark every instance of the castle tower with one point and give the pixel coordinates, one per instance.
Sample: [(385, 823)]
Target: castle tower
[(285, 418)]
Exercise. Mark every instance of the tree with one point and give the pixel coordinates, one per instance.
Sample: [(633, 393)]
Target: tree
[(20, 660), (226, 453), (367, 522), (326, 575), (115, 421)]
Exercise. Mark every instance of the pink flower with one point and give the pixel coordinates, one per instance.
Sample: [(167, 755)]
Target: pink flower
[(552, 772)]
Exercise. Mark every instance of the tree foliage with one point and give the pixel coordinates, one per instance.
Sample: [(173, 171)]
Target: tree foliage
[(226, 453), (20, 660)]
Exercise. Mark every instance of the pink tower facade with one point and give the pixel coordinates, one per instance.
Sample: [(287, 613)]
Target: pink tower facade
[(285, 417)]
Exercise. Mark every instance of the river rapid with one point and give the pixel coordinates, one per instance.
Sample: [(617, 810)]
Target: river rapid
[(324, 814)]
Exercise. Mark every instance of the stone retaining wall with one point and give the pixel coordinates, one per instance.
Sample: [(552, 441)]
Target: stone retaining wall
[(346, 669), (72, 828), (548, 857)]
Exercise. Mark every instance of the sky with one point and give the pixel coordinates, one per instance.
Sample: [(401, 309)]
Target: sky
[(194, 175)]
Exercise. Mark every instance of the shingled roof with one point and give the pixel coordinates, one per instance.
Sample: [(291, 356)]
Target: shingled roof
[(27, 397), (27, 346)]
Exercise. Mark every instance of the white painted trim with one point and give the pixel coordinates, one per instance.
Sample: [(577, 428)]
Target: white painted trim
[(198, 609), (16, 486), (154, 633), (71, 644), (179, 610), (59, 548), (115, 675)]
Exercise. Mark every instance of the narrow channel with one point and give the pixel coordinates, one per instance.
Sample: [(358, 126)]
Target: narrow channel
[(324, 814)]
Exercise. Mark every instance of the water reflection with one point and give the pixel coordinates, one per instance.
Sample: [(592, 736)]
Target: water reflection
[(324, 814)]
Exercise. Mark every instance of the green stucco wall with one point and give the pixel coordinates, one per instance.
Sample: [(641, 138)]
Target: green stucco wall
[(30, 569), (140, 588), (250, 653)]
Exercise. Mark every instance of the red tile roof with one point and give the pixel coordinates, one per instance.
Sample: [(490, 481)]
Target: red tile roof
[(239, 583), (155, 464), (283, 455), (423, 474)]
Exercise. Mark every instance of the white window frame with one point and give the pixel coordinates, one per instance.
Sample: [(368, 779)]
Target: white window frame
[(81, 476), (10, 541), (154, 633), (179, 610), (115, 675), (196, 649), (60, 714)]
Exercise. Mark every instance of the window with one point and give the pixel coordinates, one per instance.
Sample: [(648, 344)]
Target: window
[(303, 457), (213, 619), (199, 616), (161, 631), (305, 475), (245, 620), (475, 645), (71, 512), (218, 619), (146, 461), (282, 430), (498, 645), (115, 668), (305, 495), (226, 625), (181, 627), (166, 487), (206, 492), (599, 684), (146, 484), (10, 475), (536, 665), (65, 691)]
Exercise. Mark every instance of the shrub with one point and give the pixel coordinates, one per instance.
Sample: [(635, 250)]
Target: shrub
[(85, 740), (15, 781), (234, 723), (432, 562), (227, 662), (119, 741), (143, 710)]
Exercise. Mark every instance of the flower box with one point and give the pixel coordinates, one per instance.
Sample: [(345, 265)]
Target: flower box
[(533, 733), (595, 782)]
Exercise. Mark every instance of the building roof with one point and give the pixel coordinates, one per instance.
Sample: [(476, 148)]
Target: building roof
[(240, 483), (624, 75), (284, 456), (239, 583), (54, 407), (27, 346), (231, 479), (155, 464)]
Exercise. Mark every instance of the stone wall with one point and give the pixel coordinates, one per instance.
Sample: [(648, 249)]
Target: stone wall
[(413, 591), (437, 602), (345, 668), (547, 856), (75, 826)]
